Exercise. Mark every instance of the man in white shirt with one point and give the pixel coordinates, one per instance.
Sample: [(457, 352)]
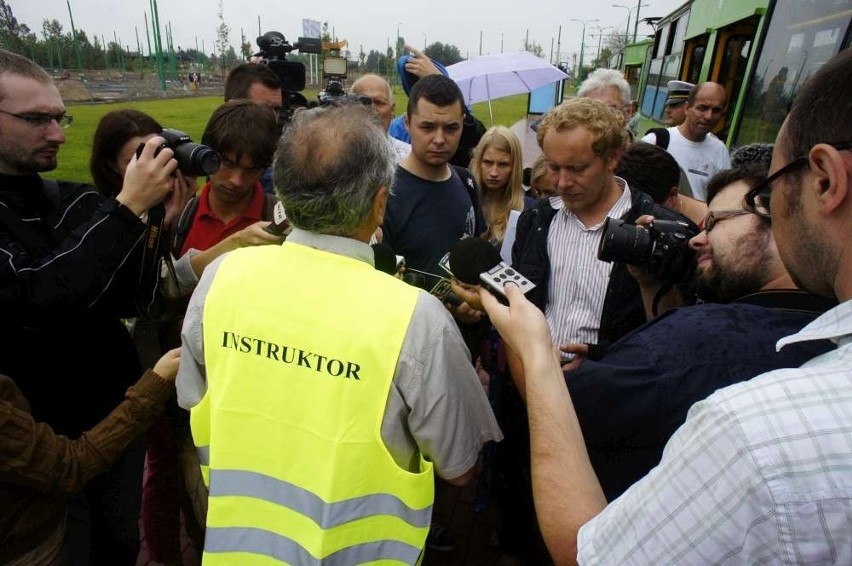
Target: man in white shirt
[(761, 472), (699, 153)]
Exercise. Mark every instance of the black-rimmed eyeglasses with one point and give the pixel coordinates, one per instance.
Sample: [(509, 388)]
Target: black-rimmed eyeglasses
[(715, 216), (757, 199), (40, 120)]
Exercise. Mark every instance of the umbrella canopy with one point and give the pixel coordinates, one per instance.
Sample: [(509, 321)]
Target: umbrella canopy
[(494, 76)]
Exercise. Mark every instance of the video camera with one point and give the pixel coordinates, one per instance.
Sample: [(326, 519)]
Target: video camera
[(273, 51)]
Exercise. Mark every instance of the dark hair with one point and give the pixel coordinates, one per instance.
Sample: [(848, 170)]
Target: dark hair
[(751, 174), (113, 131), (244, 128), (752, 153), (822, 110), (329, 165), (649, 168), (437, 89), (241, 77)]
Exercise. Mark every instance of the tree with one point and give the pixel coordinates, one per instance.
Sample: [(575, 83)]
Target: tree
[(362, 57), (373, 62), (615, 42), (444, 54), (12, 33), (535, 48), (325, 35), (223, 32), (245, 47)]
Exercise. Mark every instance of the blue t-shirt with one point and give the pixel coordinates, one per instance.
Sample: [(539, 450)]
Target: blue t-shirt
[(425, 218), (631, 401)]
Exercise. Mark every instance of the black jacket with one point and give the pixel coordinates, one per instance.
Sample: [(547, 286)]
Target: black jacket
[(69, 270), (623, 310)]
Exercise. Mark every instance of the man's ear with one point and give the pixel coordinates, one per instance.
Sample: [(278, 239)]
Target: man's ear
[(405, 121), (830, 173), (380, 202), (672, 199)]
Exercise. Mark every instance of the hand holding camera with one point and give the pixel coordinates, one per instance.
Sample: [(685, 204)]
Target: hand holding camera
[(148, 179)]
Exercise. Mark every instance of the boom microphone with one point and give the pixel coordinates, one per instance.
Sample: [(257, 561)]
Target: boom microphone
[(475, 261)]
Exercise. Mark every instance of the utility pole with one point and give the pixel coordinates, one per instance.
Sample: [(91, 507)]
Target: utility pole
[(583, 44), (559, 46), (76, 41)]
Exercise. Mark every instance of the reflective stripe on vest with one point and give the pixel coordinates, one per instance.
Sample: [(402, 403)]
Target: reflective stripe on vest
[(300, 349)]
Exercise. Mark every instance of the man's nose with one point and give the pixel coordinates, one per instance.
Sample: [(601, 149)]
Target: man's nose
[(699, 241), (55, 132)]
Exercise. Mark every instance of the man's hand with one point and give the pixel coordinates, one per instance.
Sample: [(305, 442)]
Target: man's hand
[(468, 293), (183, 188), (464, 313), (167, 366), (579, 351), (148, 179), (522, 325), (419, 64), (254, 235)]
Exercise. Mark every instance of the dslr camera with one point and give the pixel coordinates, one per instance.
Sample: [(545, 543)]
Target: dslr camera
[(194, 159), (661, 248), (273, 52)]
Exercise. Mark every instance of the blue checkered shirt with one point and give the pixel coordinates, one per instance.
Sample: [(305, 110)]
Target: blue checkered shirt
[(761, 472)]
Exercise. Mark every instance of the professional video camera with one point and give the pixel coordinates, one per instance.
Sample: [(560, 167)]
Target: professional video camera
[(273, 50), (662, 248), (194, 159), (333, 93)]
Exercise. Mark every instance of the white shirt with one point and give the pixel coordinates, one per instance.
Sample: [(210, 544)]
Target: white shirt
[(699, 160), (400, 149), (760, 473), (578, 279)]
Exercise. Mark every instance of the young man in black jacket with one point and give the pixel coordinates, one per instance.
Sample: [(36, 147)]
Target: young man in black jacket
[(70, 267)]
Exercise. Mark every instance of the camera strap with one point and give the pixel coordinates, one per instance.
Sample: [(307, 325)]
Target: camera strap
[(155, 247)]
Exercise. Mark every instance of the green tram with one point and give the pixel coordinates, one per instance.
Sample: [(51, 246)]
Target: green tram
[(761, 51)]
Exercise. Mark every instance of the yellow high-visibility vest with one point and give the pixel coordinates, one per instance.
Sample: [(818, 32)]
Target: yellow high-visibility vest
[(300, 347)]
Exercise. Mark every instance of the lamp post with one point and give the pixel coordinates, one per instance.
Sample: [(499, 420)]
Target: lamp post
[(626, 29), (629, 13), (600, 38), (398, 46), (582, 44)]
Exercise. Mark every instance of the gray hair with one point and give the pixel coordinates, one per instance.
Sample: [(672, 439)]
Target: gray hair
[(605, 78), (330, 163)]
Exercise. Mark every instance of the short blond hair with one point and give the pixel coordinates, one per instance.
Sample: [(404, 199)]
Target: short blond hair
[(605, 124)]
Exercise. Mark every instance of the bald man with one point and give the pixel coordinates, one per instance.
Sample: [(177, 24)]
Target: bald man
[(378, 90), (699, 153)]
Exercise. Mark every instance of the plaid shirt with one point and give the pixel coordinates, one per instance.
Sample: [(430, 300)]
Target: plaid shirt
[(761, 472)]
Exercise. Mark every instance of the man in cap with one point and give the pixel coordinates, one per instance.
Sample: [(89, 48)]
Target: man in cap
[(675, 110)]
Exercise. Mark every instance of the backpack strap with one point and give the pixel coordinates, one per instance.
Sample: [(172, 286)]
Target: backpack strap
[(661, 135), (181, 228)]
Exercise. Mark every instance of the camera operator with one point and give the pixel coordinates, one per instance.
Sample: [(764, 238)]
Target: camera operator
[(71, 269)]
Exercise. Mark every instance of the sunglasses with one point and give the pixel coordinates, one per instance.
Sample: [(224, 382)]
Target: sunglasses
[(757, 199)]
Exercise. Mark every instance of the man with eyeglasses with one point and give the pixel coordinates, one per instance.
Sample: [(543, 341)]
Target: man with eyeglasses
[(70, 268), (648, 380), (761, 471)]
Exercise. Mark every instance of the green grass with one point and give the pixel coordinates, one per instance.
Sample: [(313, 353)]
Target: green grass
[(190, 115)]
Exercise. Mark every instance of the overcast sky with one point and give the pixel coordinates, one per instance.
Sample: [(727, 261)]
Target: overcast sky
[(370, 24)]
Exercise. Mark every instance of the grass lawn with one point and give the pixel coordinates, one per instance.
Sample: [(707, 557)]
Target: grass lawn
[(190, 115)]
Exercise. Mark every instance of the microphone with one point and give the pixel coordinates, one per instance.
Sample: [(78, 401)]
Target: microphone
[(385, 259), (279, 226), (474, 261)]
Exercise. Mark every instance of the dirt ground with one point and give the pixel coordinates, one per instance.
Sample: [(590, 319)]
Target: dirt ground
[(107, 86)]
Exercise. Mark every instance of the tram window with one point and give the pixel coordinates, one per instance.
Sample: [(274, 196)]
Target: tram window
[(801, 37), (671, 37), (694, 54)]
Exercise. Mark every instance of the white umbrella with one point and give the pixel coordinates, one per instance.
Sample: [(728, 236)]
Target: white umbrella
[(494, 76)]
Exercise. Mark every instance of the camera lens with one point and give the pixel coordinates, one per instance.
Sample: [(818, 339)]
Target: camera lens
[(625, 243), (197, 160)]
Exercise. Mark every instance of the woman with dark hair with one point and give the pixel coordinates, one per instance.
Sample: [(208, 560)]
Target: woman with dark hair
[(118, 135)]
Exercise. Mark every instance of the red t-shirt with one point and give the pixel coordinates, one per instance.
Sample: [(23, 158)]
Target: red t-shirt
[(207, 230)]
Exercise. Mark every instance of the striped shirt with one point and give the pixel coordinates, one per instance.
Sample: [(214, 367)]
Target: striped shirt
[(578, 279), (760, 473)]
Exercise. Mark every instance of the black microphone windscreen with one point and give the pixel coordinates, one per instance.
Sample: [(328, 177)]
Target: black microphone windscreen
[(471, 257), (385, 258)]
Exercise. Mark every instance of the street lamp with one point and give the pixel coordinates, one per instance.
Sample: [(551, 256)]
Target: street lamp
[(582, 44), (398, 50), (630, 11)]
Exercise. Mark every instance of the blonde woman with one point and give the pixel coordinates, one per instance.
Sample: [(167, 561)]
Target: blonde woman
[(498, 168)]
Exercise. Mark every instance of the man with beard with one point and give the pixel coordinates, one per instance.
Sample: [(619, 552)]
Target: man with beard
[(699, 153), (631, 401)]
